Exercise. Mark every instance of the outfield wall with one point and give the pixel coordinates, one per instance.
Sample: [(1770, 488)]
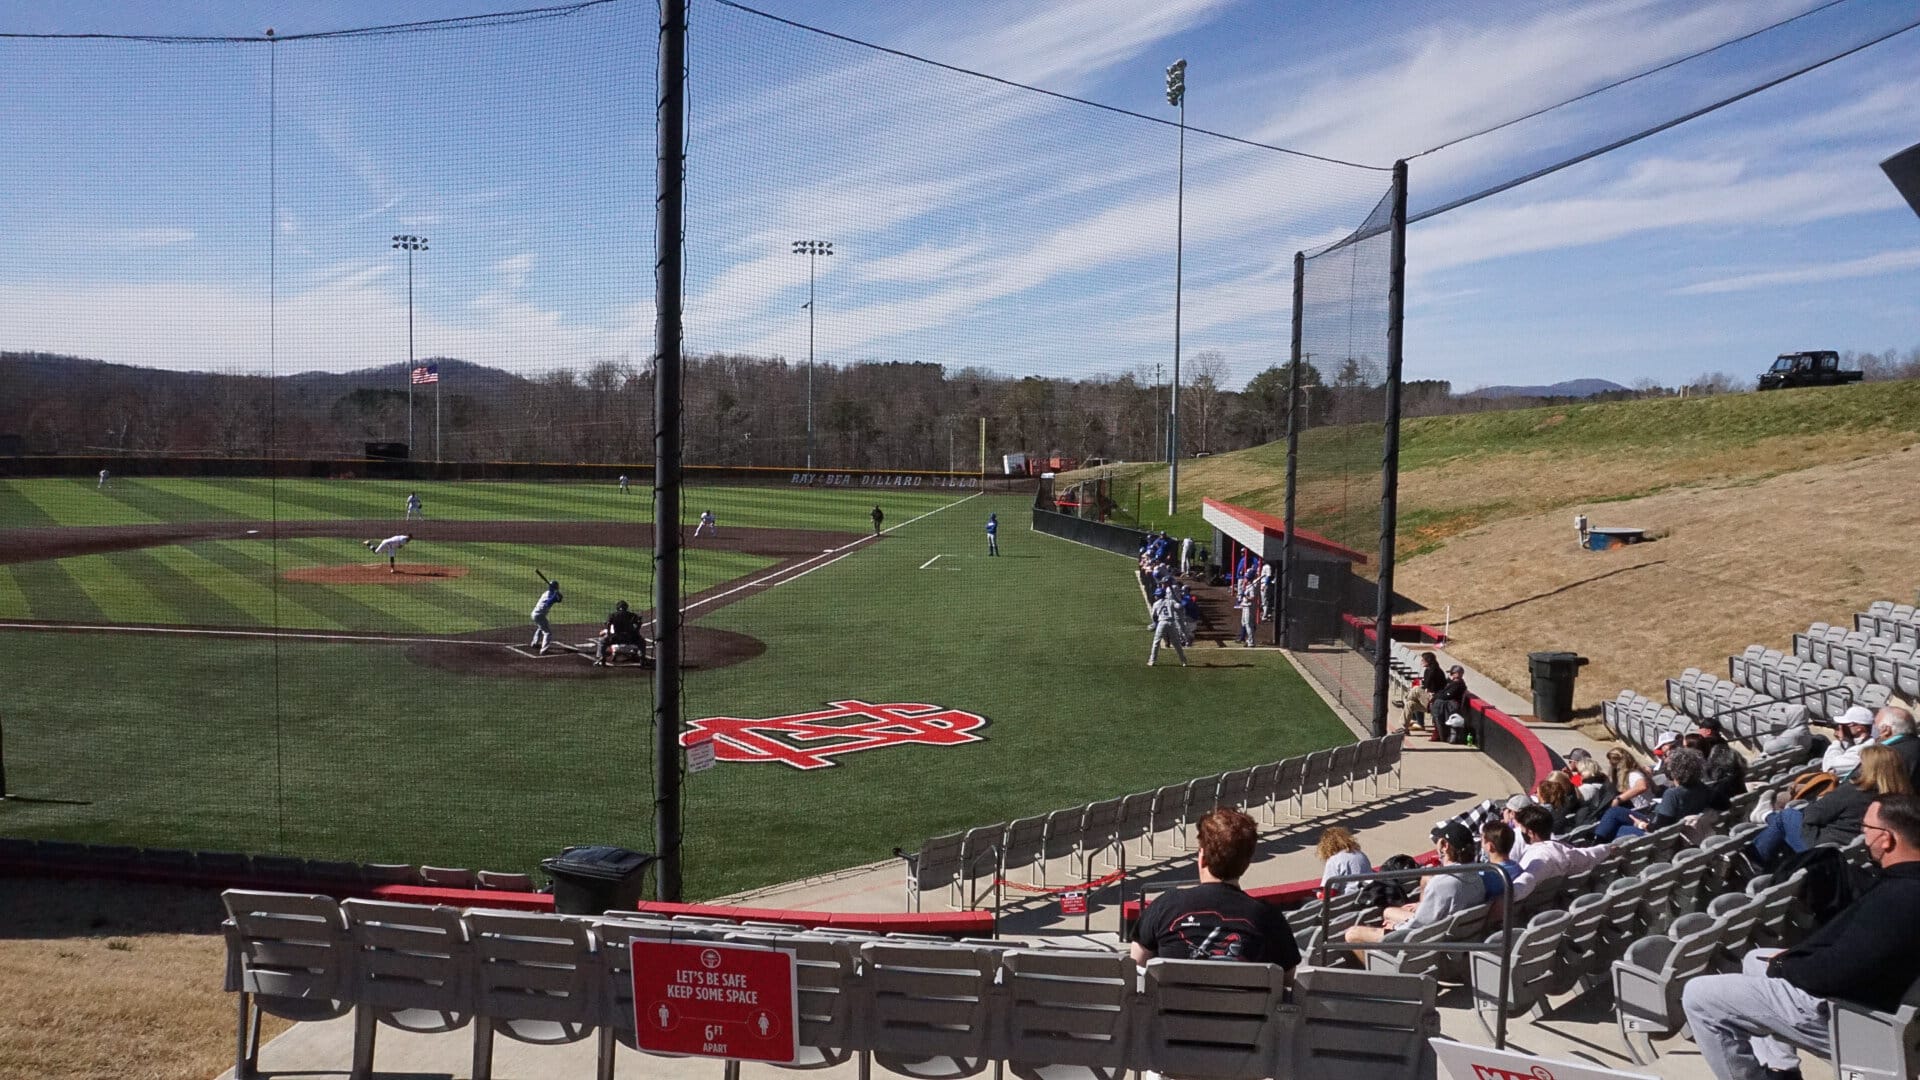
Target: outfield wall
[(1115, 538)]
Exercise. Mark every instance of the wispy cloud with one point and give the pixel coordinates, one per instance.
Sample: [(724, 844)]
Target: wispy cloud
[(1886, 262)]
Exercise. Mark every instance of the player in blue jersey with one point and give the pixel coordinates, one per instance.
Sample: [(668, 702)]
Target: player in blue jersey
[(993, 534), (543, 633)]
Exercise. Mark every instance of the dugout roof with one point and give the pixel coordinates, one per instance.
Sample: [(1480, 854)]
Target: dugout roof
[(1266, 534)]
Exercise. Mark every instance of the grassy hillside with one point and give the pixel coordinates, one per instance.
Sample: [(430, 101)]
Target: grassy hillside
[(1461, 471)]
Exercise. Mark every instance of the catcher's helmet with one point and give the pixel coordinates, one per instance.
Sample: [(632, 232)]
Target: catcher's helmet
[(620, 605)]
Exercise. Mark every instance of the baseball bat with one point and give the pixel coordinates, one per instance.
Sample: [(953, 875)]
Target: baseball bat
[(543, 576)]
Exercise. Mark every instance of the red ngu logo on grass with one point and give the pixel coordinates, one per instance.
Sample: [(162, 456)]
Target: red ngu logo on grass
[(813, 740)]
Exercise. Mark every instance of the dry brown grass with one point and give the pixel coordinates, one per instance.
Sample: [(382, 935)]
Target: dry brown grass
[(112, 981), (1737, 562)]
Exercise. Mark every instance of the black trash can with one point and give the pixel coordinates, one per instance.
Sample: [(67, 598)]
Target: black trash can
[(1553, 676), (594, 878)]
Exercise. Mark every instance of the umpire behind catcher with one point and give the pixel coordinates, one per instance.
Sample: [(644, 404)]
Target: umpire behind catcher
[(622, 633)]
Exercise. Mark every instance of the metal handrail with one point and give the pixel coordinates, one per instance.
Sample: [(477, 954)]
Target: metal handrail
[(1504, 946)]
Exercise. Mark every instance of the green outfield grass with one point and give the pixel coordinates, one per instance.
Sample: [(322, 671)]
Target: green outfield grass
[(141, 501), (354, 751)]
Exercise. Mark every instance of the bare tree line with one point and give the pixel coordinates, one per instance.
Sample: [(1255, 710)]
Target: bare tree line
[(738, 410)]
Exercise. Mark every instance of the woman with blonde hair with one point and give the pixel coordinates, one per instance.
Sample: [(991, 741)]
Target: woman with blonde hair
[(1343, 856), (1631, 783), (1836, 817)]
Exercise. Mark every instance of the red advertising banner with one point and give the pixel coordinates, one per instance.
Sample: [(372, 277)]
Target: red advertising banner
[(709, 1000), (1073, 903)]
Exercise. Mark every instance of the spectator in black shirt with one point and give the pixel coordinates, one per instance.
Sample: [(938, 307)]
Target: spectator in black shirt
[(1215, 920), (1747, 1025), (1421, 696)]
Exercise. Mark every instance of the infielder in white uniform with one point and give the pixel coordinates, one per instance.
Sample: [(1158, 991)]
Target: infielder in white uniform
[(542, 633), (623, 483), (706, 524), (413, 506), (388, 547), (1166, 627)]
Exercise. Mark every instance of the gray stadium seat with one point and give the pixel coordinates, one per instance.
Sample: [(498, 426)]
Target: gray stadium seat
[(412, 971), (935, 866), (1362, 1026), (1204, 1018), (536, 981), (927, 1009), (1649, 979), (1532, 972), (1872, 1045), (287, 954), (1068, 1015)]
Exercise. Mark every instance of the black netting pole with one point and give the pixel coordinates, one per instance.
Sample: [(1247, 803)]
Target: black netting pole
[(670, 130), (1390, 446), (1284, 624)]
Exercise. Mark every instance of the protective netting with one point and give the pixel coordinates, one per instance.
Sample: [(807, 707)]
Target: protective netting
[(1341, 421)]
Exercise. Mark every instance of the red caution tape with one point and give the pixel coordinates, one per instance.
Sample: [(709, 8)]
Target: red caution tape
[(1094, 884)]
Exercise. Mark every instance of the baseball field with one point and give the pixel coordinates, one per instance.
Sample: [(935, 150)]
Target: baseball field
[(223, 664)]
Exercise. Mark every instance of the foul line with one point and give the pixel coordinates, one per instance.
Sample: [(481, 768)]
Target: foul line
[(838, 553), (929, 562), (128, 628)]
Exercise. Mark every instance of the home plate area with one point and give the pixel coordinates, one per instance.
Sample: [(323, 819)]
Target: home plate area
[(571, 654)]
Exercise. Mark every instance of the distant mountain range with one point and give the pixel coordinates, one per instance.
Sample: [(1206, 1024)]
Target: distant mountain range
[(1572, 388)]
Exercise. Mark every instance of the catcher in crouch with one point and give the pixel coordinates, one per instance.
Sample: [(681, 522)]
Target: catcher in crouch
[(621, 636)]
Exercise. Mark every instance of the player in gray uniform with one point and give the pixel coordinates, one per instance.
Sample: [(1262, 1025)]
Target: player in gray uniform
[(104, 477), (1166, 627), (543, 633), (389, 547), (413, 506)]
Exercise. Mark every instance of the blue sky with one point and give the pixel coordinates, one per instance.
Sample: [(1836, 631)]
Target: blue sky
[(973, 223)]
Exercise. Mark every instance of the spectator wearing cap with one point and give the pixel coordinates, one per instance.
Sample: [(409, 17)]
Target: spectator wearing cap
[(1451, 703), (1849, 738), (1867, 955), (1441, 895)]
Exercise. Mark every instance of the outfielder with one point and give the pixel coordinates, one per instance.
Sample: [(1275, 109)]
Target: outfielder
[(877, 517), (413, 506), (623, 483), (993, 534), (543, 633), (706, 523), (104, 477), (1166, 627), (389, 547)]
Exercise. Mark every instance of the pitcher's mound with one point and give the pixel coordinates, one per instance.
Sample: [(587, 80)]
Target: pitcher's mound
[(374, 574)]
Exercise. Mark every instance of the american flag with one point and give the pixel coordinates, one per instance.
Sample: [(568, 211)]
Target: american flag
[(426, 373)]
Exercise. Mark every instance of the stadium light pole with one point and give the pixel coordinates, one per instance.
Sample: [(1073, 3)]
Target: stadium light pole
[(812, 249), (1177, 97), (410, 244)]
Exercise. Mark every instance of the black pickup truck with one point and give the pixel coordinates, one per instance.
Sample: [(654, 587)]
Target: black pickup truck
[(1807, 369)]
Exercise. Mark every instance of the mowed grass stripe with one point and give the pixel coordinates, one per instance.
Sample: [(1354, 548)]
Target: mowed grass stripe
[(303, 501), (246, 582), (297, 599), (159, 504), (20, 505), (396, 610), (190, 599), (52, 592), (119, 589), (80, 502), (224, 495), (13, 602)]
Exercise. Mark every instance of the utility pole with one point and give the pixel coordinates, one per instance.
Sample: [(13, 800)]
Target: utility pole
[(411, 244), (1177, 97), (812, 249)]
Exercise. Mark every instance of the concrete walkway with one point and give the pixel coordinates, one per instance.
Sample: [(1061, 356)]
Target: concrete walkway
[(1438, 780)]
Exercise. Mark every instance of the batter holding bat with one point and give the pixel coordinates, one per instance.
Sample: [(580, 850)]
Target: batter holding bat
[(543, 633)]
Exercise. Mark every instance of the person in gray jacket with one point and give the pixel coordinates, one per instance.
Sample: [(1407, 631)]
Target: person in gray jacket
[(1441, 896)]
